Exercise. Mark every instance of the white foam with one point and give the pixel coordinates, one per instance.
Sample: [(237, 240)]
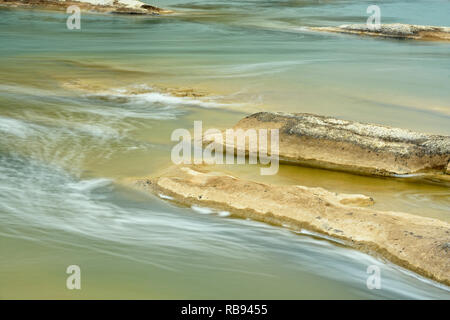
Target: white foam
[(166, 99), (14, 127), (89, 185), (409, 175), (153, 96), (163, 196), (319, 235), (202, 210), (223, 214), (131, 111)]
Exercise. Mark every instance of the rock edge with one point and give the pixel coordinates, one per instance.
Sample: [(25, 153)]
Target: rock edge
[(396, 30), (417, 243), (103, 6), (330, 143)]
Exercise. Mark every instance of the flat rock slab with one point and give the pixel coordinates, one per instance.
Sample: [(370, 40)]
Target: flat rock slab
[(104, 6), (417, 243), (396, 30), (325, 142)]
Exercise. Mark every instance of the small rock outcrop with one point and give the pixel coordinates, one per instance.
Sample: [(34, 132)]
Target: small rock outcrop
[(330, 143), (396, 30), (106, 6), (414, 242)]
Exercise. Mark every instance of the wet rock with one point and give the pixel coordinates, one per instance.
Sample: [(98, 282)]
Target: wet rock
[(326, 142), (107, 6), (396, 30), (378, 232)]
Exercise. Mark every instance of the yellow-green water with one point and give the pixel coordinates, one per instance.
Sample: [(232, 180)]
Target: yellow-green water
[(68, 136)]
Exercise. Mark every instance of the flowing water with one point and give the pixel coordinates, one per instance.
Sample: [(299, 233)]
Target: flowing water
[(82, 110)]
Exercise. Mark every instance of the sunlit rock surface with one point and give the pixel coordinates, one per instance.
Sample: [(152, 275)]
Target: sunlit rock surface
[(107, 6), (326, 142), (396, 30), (417, 243)]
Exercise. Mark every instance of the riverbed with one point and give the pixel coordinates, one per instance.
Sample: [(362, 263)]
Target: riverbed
[(82, 110)]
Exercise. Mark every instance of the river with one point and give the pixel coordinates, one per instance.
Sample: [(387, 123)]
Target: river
[(82, 110)]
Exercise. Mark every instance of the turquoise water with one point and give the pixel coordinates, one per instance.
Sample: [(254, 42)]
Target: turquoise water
[(82, 110)]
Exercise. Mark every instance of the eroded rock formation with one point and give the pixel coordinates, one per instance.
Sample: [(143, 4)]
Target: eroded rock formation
[(396, 30), (326, 142), (107, 6), (417, 243)]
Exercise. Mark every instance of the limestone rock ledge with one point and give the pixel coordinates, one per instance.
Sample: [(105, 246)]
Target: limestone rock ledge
[(416, 243), (330, 143), (105, 6), (396, 30)]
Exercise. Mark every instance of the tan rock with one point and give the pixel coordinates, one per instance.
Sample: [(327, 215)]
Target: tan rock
[(107, 6), (100, 87), (396, 30), (417, 243), (325, 142)]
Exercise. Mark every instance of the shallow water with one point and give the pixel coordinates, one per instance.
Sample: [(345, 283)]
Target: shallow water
[(77, 115)]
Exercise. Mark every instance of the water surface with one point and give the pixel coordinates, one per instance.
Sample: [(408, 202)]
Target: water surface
[(82, 110)]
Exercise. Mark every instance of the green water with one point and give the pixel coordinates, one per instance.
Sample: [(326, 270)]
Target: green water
[(72, 126)]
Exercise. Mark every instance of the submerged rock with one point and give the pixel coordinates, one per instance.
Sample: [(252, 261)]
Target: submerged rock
[(107, 6), (411, 241), (325, 142), (100, 87), (396, 30)]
